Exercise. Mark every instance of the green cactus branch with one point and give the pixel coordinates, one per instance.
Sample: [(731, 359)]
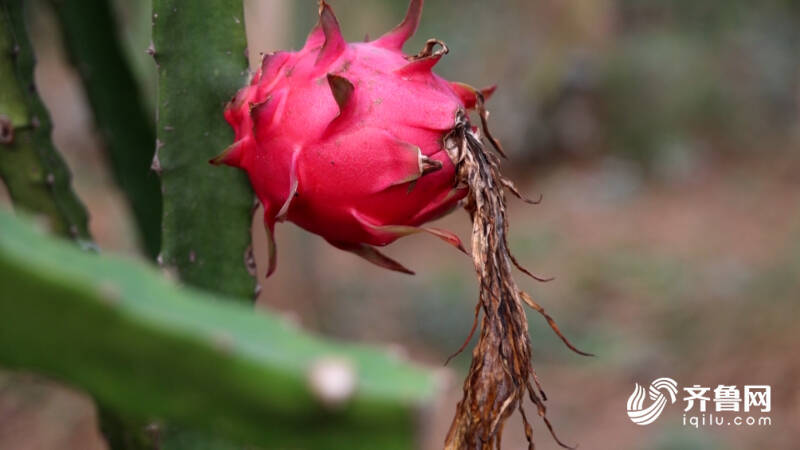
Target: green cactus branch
[(37, 179), (199, 52), (90, 36), (146, 347)]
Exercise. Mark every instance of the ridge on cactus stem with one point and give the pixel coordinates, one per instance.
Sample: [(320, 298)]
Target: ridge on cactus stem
[(346, 139), (362, 144)]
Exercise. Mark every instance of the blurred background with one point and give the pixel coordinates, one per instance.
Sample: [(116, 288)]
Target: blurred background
[(665, 139)]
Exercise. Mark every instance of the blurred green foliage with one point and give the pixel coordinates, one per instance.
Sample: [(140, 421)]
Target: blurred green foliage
[(90, 35), (719, 75), (149, 348), (35, 174)]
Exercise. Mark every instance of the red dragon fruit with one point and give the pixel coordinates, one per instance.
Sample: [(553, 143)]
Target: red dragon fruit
[(361, 145), (346, 139)]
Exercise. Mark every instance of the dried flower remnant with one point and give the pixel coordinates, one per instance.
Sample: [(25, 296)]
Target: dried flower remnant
[(501, 374)]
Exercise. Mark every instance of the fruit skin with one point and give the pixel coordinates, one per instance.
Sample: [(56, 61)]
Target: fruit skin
[(345, 139)]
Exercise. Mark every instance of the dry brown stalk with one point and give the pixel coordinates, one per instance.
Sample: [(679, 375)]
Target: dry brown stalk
[(501, 373)]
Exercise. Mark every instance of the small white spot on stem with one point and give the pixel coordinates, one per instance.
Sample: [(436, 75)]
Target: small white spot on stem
[(332, 381)]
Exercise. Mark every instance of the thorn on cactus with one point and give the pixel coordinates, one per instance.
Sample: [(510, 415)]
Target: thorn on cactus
[(155, 165), (6, 130)]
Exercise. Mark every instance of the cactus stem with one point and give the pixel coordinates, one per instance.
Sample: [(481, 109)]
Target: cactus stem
[(37, 179), (250, 369), (206, 209)]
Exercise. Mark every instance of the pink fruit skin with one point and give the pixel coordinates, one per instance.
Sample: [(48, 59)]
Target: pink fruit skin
[(346, 139)]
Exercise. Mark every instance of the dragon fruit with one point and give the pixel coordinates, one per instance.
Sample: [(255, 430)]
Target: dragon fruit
[(346, 140), (362, 145)]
